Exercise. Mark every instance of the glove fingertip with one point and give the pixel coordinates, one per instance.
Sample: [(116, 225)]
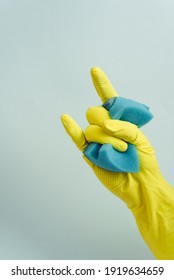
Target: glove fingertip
[(64, 119)]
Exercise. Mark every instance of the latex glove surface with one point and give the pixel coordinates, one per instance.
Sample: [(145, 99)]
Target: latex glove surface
[(146, 193)]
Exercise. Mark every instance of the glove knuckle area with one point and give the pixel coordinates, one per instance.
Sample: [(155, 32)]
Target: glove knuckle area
[(94, 133), (97, 115)]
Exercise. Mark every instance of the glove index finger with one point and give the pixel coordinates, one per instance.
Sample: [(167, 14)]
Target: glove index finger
[(102, 84)]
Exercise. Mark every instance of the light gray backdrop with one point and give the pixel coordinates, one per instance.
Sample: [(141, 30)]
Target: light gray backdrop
[(51, 204)]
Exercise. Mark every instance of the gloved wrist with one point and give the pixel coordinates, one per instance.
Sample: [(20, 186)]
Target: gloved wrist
[(155, 218)]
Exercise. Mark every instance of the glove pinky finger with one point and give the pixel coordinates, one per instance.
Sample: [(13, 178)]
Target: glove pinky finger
[(75, 132)]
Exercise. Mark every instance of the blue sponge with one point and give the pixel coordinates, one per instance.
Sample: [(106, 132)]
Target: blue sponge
[(107, 157)]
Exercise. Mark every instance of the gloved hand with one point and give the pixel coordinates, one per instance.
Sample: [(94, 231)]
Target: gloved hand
[(146, 193)]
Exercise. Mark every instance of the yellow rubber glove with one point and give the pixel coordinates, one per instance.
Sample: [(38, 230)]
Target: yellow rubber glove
[(146, 193)]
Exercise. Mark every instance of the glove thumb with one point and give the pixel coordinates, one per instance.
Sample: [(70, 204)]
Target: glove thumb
[(128, 132)]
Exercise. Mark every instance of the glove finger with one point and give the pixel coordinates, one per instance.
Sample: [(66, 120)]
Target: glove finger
[(97, 115), (94, 133), (126, 131), (102, 84), (74, 131)]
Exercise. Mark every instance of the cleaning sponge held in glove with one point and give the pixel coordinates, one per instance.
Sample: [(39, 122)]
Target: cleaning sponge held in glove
[(105, 155)]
